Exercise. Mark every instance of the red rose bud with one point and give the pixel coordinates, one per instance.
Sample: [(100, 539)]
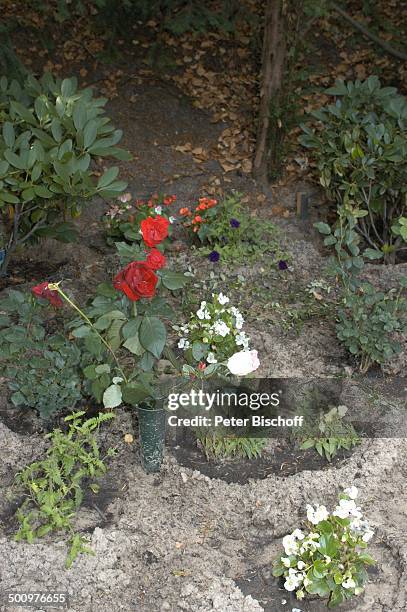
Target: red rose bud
[(53, 297), (154, 230), (136, 280), (155, 259)]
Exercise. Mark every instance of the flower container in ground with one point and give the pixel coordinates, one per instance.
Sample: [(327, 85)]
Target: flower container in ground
[(152, 424)]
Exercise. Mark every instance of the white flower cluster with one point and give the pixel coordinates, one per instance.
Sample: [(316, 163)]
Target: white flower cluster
[(302, 550), (212, 323)]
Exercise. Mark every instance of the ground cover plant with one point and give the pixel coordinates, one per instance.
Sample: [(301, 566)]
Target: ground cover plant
[(328, 557), (227, 232), (42, 369), (53, 487)]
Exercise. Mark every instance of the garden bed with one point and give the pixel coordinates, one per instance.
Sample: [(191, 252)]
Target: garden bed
[(201, 535)]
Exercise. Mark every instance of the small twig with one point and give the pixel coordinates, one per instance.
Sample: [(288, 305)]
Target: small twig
[(358, 26)]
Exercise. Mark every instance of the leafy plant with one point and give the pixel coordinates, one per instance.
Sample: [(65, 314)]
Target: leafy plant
[(49, 381), (368, 320), (214, 333), (361, 149), (121, 335), (226, 231), (222, 446), (53, 486), (122, 221), (42, 369), (51, 133), (329, 434), (329, 559)]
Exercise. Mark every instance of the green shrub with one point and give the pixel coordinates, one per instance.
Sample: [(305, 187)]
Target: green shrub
[(368, 320), (360, 148), (51, 133)]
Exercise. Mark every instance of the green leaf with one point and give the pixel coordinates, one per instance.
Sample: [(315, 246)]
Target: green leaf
[(81, 332), (134, 393), (372, 254), (108, 177), (323, 228), (153, 335), (173, 280), (112, 397), (9, 134), (105, 320), (14, 160), (199, 350), (89, 134), (133, 345)]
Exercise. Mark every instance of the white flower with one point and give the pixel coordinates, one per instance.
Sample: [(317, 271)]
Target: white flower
[(349, 583), (297, 533), (172, 220), (203, 312), (242, 340), (125, 197), (243, 362), (300, 565), (351, 492), (290, 545), (211, 358), (183, 343), (221, 328), (222, 299), (290, 584), (347, 508), (366, 537), (158, 210), (317, 515), (285, 561)]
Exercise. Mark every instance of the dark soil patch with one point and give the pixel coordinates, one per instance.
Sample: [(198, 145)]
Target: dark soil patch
[(28, 271), (285, 460)]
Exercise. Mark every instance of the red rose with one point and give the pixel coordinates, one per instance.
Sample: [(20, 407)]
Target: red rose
[(155, 259), (136, 280), (53, 297), (154, 230)]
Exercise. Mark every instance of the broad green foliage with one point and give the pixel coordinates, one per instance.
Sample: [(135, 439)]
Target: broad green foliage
[(53, 486), (368, 319), (361, 152), (328, 557), (41, 370), (329, 434), (50, 133)]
